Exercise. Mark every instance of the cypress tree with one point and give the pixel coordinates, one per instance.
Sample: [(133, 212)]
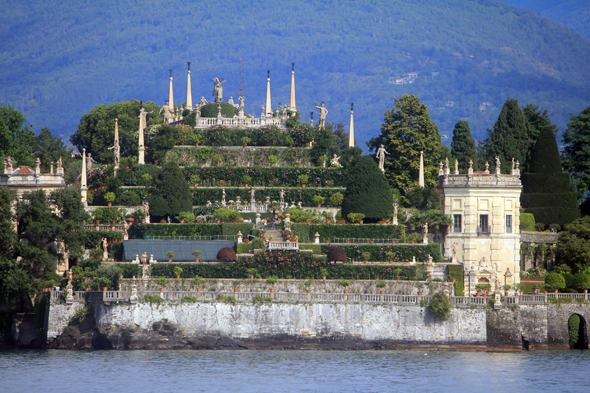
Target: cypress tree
[(463, 146), (406, 131), (367, 191), (509, 138), (546, 190), (170, 193)]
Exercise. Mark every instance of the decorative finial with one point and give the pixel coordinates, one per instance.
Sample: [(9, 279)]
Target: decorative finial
[(170, 72), (293, 66), (189, 65), (351, 105), (268, 74), (311, 114)]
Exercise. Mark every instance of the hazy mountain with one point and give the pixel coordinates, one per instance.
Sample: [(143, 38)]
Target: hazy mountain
[(61, 58), (572, 13)]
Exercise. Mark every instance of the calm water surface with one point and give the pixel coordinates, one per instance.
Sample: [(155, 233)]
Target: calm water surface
[(293, 371)]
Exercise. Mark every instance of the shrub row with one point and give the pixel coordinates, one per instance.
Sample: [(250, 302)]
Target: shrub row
[(289, 264), (527, 222), (554, 215), (267, 176), (140, 231), (403, 253), (299, 135), (93, 239), (456, 272), (540, 182), (305, 195), (366, 231)]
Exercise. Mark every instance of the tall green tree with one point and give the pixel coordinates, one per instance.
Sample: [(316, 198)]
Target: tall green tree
[(49, 148), (537, 118), (16, 139), (509, 139), (96, 131), (367, 191), (463, 146), (573, 245), (170, 193), (407, 130), (576, 152), (546, 189)]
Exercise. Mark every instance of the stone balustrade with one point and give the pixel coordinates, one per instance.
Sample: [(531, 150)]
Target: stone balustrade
[(539, 237), (271, 246), (240, 122)]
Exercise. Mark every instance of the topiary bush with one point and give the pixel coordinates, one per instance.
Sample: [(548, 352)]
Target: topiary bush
[(440, 306), (336, 254), (527, 222), (554, 281), (226, 254)]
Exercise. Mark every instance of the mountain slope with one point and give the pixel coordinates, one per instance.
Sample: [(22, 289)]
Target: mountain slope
[(59, 60)]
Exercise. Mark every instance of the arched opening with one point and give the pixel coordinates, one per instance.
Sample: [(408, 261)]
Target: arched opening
[(577, 333)]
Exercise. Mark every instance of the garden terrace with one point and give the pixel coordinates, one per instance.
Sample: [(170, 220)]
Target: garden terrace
[(329, 232), (240, 156), (378, 252), (303, 195), (141, 231), (267, 135), (182, 249)]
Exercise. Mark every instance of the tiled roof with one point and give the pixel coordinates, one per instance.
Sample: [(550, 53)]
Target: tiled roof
[(24, 170)]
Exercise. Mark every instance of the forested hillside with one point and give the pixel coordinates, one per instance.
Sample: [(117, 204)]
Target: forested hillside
[(62, 58)]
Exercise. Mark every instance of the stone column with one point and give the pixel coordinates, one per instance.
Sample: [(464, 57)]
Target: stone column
[(189, 95), (351, 131), (257, 218), (421, 173), (83, 180), (292, 105), (268, 104)]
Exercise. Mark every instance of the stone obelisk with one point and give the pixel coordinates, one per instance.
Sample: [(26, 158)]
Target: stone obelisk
[(421, 174), (171, 96), (117, 145), (351, 132), (142, 125), (292, 105), (189, 94), (268, 105), (83, 180)]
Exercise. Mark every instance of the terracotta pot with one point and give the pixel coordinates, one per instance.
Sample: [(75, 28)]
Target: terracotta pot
[(178, 276), (198, 289), (303, 185), (382, 292), (366, 261), (246, 185), (182, 221), (319, 205), (97, 222), (478, 294), (196, 184), (105, 289), (272, 290), (361, 222), (453, 280), (251, 277), (391, 262), (235, 289), (169, 259), (161, 289), (419, 293), (556, 291), (309, 291), (216, 164), (324, 277), (485, 295), (110, 203), (506, 293), (346, 291)]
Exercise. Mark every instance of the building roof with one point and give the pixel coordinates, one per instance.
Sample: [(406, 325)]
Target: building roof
[(23, 170)]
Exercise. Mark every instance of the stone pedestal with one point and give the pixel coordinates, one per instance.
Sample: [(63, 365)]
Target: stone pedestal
[(141, 157), (240, 237), (317, 238)]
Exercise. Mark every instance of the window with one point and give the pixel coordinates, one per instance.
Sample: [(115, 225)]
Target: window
[(456, 223), (483, 223), (508, 223)]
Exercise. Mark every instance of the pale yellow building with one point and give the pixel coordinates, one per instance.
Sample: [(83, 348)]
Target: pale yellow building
[(485, 234)]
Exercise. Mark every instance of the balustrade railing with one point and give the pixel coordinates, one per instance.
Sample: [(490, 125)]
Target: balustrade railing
[(235, 122), (282, 246)]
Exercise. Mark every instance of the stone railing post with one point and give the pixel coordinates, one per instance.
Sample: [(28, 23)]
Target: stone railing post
[(516, 298), (134, 297), (317, 238), (239, 237)]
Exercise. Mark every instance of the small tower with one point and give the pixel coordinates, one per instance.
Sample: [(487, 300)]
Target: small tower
[(83, 180), (171, 94), (292, 105), (189, 95), (351, 132), (421, 174), (268, 105)]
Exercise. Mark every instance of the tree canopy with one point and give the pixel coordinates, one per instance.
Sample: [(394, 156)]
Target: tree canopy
[(367, 191), (463, 146), (406, 131), (16, 139), (576, 152), (573, 245), (170, 193)]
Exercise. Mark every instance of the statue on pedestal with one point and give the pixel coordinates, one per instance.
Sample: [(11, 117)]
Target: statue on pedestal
[(282, 195), (105, 245), (168, 112), (241, 104), (394, 220), (381, 152), (218, 89), (146, 210), (202, 101), (323, 114)]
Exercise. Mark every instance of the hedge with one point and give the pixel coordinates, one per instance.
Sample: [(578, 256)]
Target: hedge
[(140, 231), (262, 136), (533, 183), (315, 248), (266, 176), (93, 239), (365, 231), (403, 253), (456, 272), (305, 195), (527, 222), (289, 264), (554, 215), (238, 157)]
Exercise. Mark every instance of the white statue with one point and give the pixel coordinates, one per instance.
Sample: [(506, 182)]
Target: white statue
[(323, 114), (241, 105), (218, 89), (202, 101), (381, 152), (282, 195), (168, 117)]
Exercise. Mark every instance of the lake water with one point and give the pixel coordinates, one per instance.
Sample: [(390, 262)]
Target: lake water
[(290, 371)]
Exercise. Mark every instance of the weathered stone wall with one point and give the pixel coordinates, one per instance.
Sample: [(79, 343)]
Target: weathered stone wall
[(557, 319), (59, 315)]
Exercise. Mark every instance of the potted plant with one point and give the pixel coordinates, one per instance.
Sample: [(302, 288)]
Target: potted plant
[(216, 159), (324, 273), (273, 160), (195, 179), (303, 179), (246, 179), (188, 217), (419, 286), (390, 255), (170, 255), (110, 198), (366, 255), (507, 287), (345, 284), (196, 139), (289, 140), (381, 285), (97, 213), (319, 200), (162, 283), (177, 271), (198, 281), (196, 254), (245, 140), (308, 285), (323, 160), (252, 272)]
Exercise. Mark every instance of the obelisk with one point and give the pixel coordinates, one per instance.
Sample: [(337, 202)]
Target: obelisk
[(421, 174), (292, 105), (171, 96), (351, 132), (117, 145), (189, 95), (83, 180), (142, 125), (268, 105)]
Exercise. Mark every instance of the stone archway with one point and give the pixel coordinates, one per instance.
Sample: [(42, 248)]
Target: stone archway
[(577, 332)]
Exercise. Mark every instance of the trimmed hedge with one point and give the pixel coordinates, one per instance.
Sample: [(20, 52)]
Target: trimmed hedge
[(266, 176), (365, 231), (534, 183), (305, 195), (237, 157), (93, 239), (456, 272), (527, 222), (140, 231), (290, 264), (403, 253), (315, 248), (554, 215)]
